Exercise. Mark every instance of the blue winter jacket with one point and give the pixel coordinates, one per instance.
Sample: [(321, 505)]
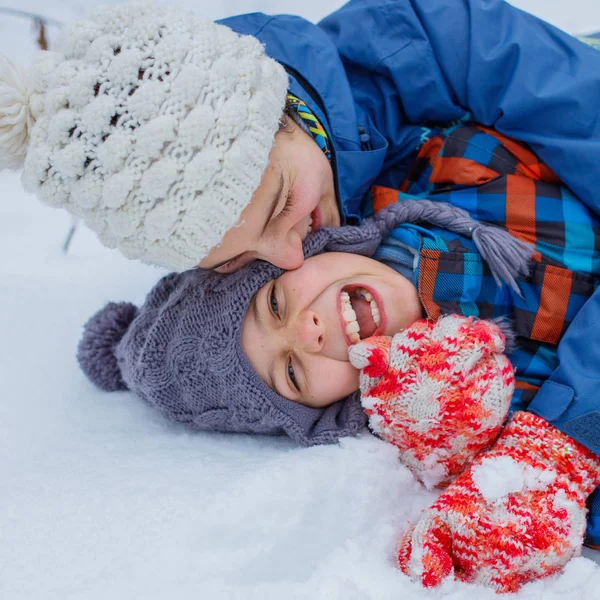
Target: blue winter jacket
[(377, 72)]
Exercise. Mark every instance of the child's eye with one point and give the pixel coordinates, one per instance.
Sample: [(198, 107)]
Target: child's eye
[(292, 375), (273, 302), (229, 266)]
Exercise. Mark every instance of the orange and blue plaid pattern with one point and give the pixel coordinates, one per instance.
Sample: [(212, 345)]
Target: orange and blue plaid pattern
[(499, 181)]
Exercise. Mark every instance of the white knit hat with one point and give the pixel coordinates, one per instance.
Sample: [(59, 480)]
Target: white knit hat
[(152, 124)]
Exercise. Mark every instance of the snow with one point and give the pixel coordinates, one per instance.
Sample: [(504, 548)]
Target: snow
[(498, 476), (101, 498)]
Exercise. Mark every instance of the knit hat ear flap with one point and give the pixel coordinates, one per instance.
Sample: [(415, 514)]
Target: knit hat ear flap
[(363, 239), (16, 119), (507, 257), (96, 351)]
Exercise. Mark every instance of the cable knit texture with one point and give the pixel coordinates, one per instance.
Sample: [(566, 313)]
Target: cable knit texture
[(152, 124), (517, 514), (439, 392), (182, 353), (507, 257)]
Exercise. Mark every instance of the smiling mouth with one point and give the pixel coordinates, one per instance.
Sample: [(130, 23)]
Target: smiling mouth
[(360, 313), (310, 222), (314, 220)]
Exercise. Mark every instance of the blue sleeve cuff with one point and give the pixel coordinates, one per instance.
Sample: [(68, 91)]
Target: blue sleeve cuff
[(577, 416)]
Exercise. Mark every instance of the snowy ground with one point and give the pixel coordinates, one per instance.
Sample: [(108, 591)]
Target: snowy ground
[(100, 498)]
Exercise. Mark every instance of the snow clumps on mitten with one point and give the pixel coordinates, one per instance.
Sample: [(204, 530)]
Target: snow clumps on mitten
[(517, 513)]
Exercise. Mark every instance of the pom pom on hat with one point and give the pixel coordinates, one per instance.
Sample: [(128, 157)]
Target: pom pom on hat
[(96, 351), (181, 352), (16, 119)]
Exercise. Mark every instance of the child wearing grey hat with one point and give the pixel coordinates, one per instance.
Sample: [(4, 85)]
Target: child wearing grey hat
[(192, 349), (168, 133), (261, 351), (267, 352)]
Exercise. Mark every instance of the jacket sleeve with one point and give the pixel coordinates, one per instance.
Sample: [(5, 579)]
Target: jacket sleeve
[(510, 70), (570, 399)]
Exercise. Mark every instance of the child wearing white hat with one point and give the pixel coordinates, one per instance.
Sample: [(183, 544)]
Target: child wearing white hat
[(173, 137)]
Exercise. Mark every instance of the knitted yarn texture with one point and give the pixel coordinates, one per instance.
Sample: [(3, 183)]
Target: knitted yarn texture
[(152, 124), (182, 352), (516, 514), (439, 392), (507, 257)]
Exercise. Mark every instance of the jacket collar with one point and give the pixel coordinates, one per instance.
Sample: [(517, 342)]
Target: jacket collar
[(325, 88)]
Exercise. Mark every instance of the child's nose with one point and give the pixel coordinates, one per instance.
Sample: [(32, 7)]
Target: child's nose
[(310, 331)]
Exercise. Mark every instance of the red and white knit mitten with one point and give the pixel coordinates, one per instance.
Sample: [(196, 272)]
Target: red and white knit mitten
[(516, 514), (439, 391)]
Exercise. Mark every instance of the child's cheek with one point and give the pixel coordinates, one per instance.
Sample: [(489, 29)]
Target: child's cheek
[(307, 195), (333, 383), (346, 382)]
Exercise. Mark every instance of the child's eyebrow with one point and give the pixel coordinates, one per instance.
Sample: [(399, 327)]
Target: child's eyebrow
[(256, 315)]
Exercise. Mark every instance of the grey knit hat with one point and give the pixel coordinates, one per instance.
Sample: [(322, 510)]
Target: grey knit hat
[(152, 124), (182, 351)]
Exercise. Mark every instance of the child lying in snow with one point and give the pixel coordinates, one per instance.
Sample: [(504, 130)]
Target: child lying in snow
[(264, 351), (267, 352)]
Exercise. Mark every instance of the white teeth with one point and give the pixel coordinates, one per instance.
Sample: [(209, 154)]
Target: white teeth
[(375, 312), (310, 222), (349, 315), (352, 327), (365, 294)]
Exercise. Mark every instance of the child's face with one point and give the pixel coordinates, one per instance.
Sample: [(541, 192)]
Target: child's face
[(298, 327), (296, 193)]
